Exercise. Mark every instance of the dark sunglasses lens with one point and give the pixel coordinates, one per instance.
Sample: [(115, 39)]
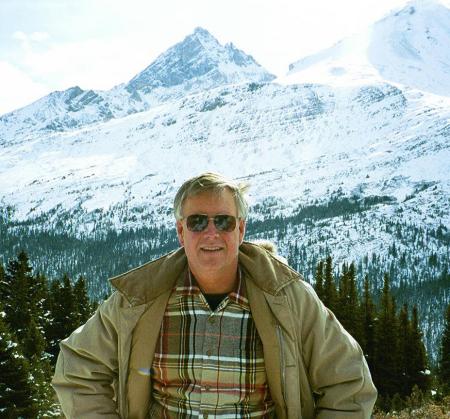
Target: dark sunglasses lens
[(225, 222), (197, 222)]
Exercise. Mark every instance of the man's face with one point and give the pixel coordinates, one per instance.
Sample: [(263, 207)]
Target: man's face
[(211, 253)]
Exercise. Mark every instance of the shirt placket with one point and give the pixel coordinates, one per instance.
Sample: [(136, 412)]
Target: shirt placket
[(210, 357)]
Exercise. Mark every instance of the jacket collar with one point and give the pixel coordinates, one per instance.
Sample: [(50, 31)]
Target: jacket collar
[(149, 281), (144, 283), (265, 269)]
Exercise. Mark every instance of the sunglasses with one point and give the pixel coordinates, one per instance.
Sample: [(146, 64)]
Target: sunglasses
[(199, 222)]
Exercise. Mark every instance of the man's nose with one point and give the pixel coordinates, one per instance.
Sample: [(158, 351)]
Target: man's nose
[(211, 227)]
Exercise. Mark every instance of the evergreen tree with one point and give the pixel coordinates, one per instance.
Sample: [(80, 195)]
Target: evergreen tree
[(43, 393), (39, 296), (349, 305), (329, 289), (68, 304), (355, 326), (341, 309), (33, 341), (16, 386), (319, 280), (64, 317), (404, 334), (368, 323), (23, 302), (83, 307), (385, 365), (15, 295), (418, 365), (55, 330), (444, 355), (2, 280), (29, 311), (25, 296)]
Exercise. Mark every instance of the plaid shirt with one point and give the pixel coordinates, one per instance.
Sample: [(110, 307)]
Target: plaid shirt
[(209, 364)]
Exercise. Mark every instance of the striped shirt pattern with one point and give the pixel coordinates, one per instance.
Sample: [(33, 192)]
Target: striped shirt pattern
[(209, 363)]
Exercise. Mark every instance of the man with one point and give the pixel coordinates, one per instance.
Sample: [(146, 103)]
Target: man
[(218, 328)]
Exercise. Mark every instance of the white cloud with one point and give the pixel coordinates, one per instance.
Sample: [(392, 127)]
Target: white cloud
[(91, 64), (27, 40), (17, 88), (20, 36), (39, 36), (34, 36)]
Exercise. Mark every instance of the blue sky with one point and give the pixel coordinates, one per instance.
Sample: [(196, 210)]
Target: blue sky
[(48, 45)]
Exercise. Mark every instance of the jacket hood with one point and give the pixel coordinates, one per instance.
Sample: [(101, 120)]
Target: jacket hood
[(144, 283)]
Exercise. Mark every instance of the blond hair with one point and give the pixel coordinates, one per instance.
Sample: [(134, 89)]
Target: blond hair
[(211, 182)]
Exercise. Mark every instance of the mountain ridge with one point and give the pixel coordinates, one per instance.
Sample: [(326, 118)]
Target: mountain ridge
[(197, 56), (197, 63), (407, 47), (353, 166)]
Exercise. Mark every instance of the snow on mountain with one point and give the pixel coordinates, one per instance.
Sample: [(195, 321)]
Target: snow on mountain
[(197, 63), (94, 150), (312, 139), (409, 47), (358, 122), (57, 111)]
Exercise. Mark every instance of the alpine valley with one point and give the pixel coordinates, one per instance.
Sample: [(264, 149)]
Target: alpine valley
[(347, 155)]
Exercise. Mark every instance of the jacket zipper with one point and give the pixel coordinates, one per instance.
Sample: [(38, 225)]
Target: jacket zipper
[(282, 362)]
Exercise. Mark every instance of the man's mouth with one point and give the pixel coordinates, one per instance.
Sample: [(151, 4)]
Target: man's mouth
[(211, 248)]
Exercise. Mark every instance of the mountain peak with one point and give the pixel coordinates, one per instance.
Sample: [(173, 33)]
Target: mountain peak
[(199, 61), (409, 46), (203, 37), (413, 6), (202, 32)]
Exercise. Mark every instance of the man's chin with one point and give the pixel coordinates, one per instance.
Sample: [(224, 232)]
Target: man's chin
[(211, 258)]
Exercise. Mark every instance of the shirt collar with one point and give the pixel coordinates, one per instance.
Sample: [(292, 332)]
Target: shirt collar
[(187, 285)]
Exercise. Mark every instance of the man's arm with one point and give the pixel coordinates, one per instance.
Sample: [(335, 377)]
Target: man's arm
[(337, 369), (87, 367)]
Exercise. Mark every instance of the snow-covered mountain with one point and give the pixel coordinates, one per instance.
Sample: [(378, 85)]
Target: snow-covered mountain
[(349, 152), (409, 47), (295, 143), (197, 63)]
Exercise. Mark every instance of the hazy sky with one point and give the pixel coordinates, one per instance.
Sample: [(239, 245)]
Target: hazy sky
[(48, 45)]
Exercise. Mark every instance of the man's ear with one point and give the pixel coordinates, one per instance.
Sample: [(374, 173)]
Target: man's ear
[(180, 231), (242, 226)]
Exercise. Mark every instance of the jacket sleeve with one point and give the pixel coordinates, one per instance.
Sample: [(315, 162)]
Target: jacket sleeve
[(87, 367), (337, 370)]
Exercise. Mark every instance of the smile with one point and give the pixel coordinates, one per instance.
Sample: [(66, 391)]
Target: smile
[(211, 249)]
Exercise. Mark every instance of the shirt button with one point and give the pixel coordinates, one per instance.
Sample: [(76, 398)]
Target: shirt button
[(205, 415), (209, 352), (207, 388), (212, 319)]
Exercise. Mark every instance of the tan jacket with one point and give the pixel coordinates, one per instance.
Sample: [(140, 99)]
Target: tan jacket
[(315, 369)]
